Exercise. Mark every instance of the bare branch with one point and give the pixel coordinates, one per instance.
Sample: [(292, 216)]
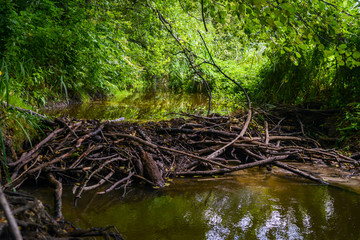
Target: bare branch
[(202, 14)]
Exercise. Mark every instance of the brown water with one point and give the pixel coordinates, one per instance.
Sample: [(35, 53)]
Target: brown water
[(252, 205), (148, 105)]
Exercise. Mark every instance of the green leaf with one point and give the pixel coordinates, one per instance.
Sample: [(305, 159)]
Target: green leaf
[(288, 49), (321, 6), (356, 55), (303, 46), (356, 63), (349, 62), (342, 46)]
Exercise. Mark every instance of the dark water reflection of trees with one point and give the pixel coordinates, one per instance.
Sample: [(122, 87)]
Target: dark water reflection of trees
[(134, 106), (230, 209)]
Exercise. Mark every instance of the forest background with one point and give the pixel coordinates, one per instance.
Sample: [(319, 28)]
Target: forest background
[(303, 53)]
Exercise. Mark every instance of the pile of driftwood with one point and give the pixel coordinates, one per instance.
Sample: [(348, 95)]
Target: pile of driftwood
[(110, 155)]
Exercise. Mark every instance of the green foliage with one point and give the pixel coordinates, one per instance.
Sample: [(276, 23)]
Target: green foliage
[(283, 81), (280, 51), (313, 46), (350, 124), (72, 46), (13, 124), (4, 158)]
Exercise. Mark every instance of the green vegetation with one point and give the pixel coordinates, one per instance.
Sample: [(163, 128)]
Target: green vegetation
[(61, 50), (281, 52)]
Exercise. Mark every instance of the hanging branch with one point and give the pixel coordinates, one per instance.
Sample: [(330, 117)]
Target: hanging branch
[(248, 119), (336, 7), (202, 14), (188, 54), (224, 74), (183, 8)]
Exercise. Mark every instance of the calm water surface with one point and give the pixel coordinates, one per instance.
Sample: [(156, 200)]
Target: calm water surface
[(252, 205), (148, 105)]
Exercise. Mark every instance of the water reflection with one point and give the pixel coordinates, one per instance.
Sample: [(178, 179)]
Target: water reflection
[(228, 209), (134, 106)]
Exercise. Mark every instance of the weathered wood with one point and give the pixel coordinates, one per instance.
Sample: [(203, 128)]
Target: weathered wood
[(145, 154), (222, 149), (57, 196), (27, 155), (14, 229), (97, 131), (299, 172), (237, 168), (151, 170), (29, 112), (117, 184)]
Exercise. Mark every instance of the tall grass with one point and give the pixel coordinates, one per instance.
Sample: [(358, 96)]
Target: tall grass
[(9, 117), (4, 160), (6, 90), (63, 86), (4, 84)]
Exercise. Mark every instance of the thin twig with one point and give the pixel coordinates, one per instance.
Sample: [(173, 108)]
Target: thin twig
[(14, 229)]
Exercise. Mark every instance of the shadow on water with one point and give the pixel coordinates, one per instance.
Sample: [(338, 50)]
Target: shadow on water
[(148, 105), (252, 205)]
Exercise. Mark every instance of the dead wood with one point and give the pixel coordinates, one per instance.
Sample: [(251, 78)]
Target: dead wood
[(44, 118), (151, 169), (97, 131), (36, 223), (57, 196), (237, 168), (13, 226), (108, 156), (90, 154), (299, 172)]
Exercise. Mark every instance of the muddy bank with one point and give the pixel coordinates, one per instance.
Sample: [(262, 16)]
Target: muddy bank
[(335, 176)]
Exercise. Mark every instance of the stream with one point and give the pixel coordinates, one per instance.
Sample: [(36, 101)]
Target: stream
[(251, 204), (138, 106)]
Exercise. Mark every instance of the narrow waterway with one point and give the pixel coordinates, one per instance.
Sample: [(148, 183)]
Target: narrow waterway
[(141, 106), (252, 204)]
